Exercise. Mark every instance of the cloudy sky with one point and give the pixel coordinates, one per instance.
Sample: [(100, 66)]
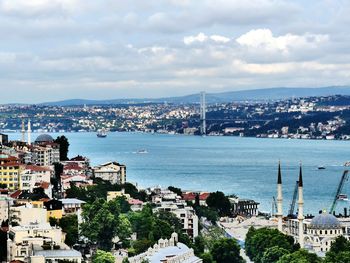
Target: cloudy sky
[(99, 49)]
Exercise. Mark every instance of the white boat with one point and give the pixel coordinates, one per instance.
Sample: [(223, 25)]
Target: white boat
[(347, 164), (142, 151), (343, 197), (102, 133)]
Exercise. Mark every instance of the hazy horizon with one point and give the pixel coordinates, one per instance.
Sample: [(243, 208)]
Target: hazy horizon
[(62, 49)]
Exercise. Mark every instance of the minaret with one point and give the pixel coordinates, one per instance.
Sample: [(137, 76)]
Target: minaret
[(301, 209), (279, 213), (29, 133), (23, 131)]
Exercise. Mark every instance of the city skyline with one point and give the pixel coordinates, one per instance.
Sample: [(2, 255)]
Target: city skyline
[(54, 50)]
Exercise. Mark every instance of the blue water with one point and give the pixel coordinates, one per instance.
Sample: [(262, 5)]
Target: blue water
[(235, 165)]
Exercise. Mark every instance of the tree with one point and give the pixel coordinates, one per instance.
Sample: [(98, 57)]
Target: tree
[(56, 180), (124, 228), (69, 225), (199, 245), (103, 257), (220, 203), (259, 240), (64, 147), (101, 220), (273, 254), (300, 256), (207, 258), (175, 190), (226, 250), (341, 257), (339, 251), (141, 245)]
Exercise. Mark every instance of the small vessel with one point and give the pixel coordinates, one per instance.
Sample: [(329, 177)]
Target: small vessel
[(347, 163), (101, 133), (142, 151), (343, 197), (321, 168)]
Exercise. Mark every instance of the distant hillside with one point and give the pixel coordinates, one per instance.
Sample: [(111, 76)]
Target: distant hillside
[(241, 95)]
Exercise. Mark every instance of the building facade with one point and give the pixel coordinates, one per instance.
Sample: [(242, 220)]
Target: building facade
[(113, 172)]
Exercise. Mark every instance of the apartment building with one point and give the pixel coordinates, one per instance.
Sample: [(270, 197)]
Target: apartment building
[(113, 172), (10, 168)]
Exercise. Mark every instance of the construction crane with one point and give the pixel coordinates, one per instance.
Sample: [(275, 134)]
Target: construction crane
[(343, 179), (292, 205)]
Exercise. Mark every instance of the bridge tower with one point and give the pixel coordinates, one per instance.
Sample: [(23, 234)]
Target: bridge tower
[(203, 124)]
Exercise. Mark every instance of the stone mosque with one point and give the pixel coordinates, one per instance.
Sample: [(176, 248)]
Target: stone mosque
[(315, 234)]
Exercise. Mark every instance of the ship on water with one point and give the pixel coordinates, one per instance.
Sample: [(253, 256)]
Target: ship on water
[(102, 133)]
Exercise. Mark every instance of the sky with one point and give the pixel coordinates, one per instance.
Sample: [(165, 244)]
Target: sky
[(107, 49)]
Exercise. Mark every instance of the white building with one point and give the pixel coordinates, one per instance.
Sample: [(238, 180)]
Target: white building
[(23, 239), (72, 206), (186, 214), (33, 175), (167, 251), (112, 171), (319, 232), (28, 215), (55, 256)]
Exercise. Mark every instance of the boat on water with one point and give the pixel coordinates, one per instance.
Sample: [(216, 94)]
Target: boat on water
[(102, 133), (343, 197), (321, 168), (142, 151), (347, 164)]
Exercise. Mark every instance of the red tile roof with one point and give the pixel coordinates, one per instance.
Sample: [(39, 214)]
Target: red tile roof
[(37, 168), (191, 196), (16, 194)]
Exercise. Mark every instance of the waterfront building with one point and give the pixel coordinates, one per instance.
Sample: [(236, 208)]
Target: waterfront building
[(319, 232), (244, 207), (191, 197), (113, 172)]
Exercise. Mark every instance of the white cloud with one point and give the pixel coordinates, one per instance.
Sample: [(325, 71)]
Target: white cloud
[(201, 37), (219, 39), (192, 39), (264, 39)]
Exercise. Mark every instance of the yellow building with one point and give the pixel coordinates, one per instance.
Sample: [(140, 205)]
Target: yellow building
[(54, 209), (114, 194), (10, 168)]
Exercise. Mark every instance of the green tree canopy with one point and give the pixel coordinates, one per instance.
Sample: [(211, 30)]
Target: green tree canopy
[(226, 250), (339, 252), (273, 254), (103, 257), (259, 240), (220, 203), (69, 225), (64, 147), (101, 221), (300, 256)]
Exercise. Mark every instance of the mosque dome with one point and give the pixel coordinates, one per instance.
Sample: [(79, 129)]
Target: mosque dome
[(44, 138), (325, 221)]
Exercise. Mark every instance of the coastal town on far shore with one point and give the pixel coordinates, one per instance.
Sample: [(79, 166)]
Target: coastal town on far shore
[(59, 209), (325, 117)]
